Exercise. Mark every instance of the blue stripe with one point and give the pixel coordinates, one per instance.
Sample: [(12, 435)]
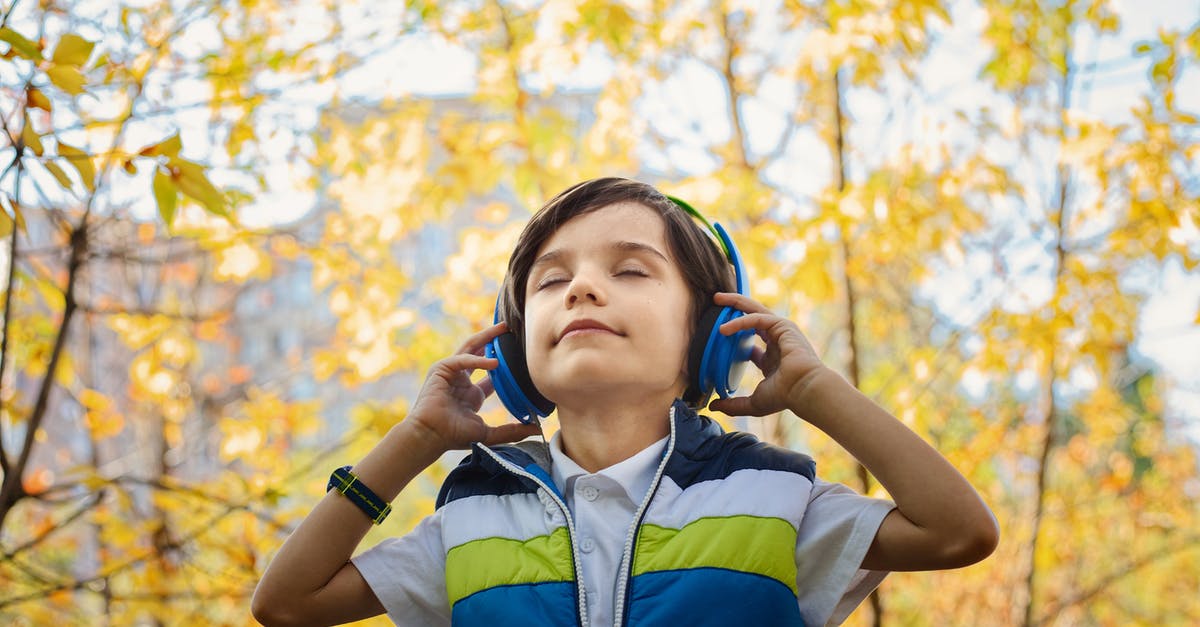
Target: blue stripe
[(703, 597), (541, 473), (524, 605)]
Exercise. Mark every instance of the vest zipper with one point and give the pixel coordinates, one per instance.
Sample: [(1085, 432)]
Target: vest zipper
[(626, 570), (580, 593)]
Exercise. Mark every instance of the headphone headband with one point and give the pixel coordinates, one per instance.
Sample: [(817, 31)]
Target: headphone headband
[(723, 242)]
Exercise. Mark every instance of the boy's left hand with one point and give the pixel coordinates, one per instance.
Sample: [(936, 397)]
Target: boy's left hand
[(787, 363)]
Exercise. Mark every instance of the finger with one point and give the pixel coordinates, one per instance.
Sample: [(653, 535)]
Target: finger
[(486, 386), (511, 432), (466, 362), (762, 323), (740, 301), (756, 356), (476, 343)]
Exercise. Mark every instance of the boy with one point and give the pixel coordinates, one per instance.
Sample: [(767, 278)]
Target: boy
[(639, 511)]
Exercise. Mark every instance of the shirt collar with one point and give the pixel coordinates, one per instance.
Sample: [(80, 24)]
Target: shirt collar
[(634, 474)]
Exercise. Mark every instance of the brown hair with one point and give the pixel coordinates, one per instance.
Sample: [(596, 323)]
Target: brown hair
[(705, 268)]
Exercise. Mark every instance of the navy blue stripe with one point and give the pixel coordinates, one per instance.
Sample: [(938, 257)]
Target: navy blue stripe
[(704, 453), (479, 474)]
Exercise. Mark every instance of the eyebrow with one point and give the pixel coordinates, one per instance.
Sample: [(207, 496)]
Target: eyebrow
[(636, 247)]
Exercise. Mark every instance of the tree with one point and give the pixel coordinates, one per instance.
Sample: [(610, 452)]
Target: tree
[(178, 373)]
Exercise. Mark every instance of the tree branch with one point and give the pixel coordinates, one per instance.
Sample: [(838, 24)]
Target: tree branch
[(1052, 610), (72, 517), (6, 330), (12, 490)]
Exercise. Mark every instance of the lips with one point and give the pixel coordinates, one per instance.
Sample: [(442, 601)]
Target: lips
[(585, 326)]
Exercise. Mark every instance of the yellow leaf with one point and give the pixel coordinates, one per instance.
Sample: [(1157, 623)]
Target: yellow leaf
[(72, 50), (94, 481), (82, 163), (166, 195), (20, 44), (67, 77), (35, 98), (104, 424), (6, 224), (137, 331), (30, 137), (59, 174), (169, 147), (53, 296)]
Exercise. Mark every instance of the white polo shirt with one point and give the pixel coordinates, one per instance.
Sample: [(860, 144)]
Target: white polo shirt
[(602, 505)]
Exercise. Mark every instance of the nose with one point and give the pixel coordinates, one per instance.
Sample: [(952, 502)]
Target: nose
[(585, 287)]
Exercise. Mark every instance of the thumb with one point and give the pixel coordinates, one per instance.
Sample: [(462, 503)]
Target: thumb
[(734, 406)]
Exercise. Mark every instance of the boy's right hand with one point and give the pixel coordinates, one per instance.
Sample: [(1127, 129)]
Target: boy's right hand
[(445, 411)]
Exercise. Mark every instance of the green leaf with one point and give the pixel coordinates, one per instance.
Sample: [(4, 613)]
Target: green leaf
[(20, 44), (68, 78), (166, 194), (192, 181), (82, 162), (72, 50), (169, 147)]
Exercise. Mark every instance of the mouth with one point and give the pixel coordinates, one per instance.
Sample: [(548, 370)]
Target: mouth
[(585, 327)]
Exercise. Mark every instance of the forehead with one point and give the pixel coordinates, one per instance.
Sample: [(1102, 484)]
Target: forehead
[(622, 221)]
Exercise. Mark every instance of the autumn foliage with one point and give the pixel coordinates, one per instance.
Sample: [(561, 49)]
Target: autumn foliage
[(236, 233)]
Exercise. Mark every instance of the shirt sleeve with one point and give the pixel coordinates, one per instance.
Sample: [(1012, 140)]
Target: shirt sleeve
[(408, 575), (838, 528)]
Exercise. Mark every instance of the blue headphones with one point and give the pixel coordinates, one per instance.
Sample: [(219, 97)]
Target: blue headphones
[(715, 362)]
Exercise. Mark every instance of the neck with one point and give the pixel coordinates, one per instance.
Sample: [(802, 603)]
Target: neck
[(597, 434)]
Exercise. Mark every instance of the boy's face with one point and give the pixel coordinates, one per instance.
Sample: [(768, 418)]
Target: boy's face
[(607, 309)]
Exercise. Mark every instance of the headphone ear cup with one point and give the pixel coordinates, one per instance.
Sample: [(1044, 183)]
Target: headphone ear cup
[(716, 362), (512, 382), (700, 387)]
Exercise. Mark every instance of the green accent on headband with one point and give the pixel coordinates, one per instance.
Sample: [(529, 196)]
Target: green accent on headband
[(696, 214)]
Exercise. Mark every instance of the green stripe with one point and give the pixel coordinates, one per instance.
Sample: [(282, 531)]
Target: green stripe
[(491, 562), (749, 544)]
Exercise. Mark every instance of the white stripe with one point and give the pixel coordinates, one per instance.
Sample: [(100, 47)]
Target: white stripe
[(767, 493), (515, 516)]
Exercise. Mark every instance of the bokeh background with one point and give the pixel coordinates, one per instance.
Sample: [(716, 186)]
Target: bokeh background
[(237, 233)]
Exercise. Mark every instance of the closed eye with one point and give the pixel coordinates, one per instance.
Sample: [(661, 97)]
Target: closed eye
[(633, 272), (550, 282)]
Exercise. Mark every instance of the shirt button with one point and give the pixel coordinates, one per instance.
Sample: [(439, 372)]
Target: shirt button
[(590, 492), (587, 545)]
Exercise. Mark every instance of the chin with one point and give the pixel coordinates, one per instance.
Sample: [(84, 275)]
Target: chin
[(583, 380)]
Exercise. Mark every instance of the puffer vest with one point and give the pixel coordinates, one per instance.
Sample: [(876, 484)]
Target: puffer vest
[(712, 542)]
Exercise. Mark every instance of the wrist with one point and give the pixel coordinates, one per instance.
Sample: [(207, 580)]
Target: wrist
[(808, 390), (418, 440)]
